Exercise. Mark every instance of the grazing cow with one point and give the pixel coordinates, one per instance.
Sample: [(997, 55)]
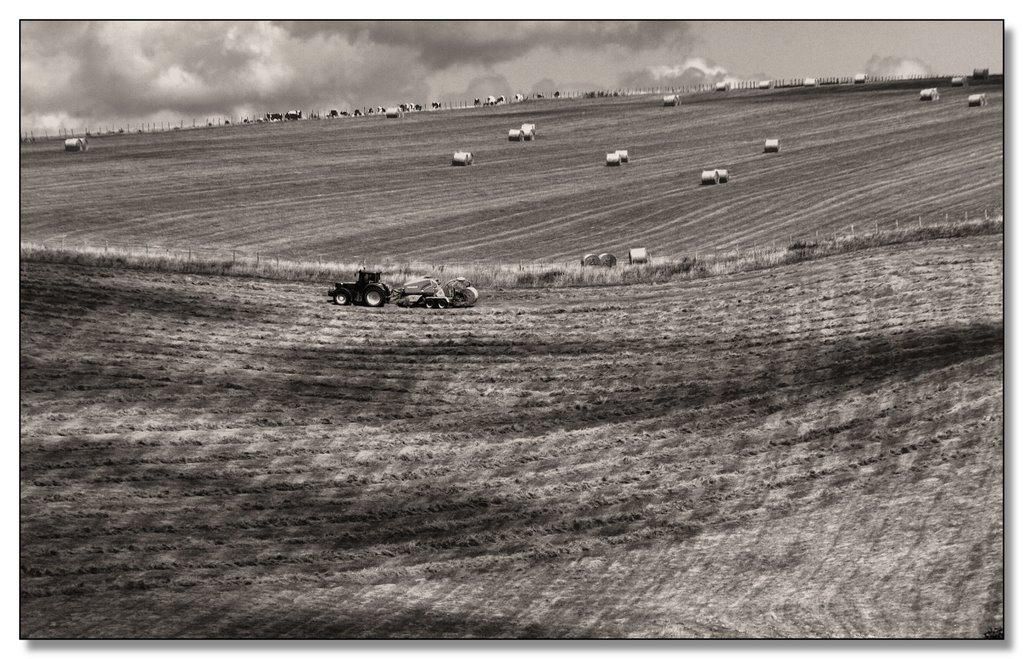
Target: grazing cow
[(491, 100), (434, 105), (293, 115), (417, 107), (540, 95), (333, 113), (476, 101), (519, 97), (274, 116), (556, 94), (357, 113), (501, 99)]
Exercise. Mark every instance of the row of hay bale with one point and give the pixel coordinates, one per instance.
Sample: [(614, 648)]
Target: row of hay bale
[(714, 176), (616, 158), (76, 144), (637, 255)]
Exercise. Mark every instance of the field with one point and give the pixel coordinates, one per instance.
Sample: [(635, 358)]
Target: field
[(808, 450), (373, 188)]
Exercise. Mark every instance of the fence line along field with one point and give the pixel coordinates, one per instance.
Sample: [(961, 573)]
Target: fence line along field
[(811, 450), (375, 188)]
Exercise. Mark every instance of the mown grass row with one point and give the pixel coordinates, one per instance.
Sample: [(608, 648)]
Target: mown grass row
[(510, 275)]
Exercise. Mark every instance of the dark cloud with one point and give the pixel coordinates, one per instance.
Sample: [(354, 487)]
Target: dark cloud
[(896, 66), (78, 73), (441, 44)]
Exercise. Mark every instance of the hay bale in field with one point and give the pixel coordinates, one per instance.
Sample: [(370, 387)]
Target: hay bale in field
[(810, 82), (860, 79), (607, 260), (723, 175), (591, 259), (393, 113), (638, 255), (529, 131), (958, 81), (515, 135), (721, 86), (764, 84), (623, 155), (976, 100), (612, 160), (76, 144), (772, 145), (980, 74), (930, 94), (670, 100), (709, 177), (462, 158)]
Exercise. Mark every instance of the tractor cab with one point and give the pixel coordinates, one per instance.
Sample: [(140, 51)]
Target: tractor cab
[(368, 277)]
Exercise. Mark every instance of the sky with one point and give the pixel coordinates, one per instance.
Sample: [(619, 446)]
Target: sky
[(81, 74)]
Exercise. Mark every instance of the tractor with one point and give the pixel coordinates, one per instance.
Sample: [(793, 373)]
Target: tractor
[(368, 290), (427, 292)]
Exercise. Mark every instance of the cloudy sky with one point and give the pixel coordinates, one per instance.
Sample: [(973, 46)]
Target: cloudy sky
[(81, 74)]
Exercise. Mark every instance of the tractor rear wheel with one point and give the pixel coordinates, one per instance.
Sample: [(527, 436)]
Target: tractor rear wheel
[(374, 297), (342, 297)]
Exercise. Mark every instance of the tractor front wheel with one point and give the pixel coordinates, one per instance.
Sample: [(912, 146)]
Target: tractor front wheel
[(341, 297)]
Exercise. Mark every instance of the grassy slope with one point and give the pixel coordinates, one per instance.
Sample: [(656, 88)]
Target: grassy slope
[(374, 188), (813, 450)]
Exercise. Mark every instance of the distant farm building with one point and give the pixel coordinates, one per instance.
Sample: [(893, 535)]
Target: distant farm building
[(638, 255), (930, 94), (772, 145), (860, 79), (977, 100), (76, 144), (980, 74), (462, 158), (670, 100)]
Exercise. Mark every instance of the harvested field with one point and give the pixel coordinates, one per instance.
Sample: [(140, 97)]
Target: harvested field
[(810, 450), (369, 188)]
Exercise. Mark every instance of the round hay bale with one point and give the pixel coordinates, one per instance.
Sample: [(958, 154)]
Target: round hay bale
[(709, 177), (392, 113), (638, 255), (810, 82), (772, 145), (515, 135), (957, 81), (612, 160), (764, 84), (723, 175), (529, 131), (623, 155), (607, 260), (721, 86), (462, 158), (976, 100), (860, 79), (930, 94), (591, 259), (670, 100), (76, 144)]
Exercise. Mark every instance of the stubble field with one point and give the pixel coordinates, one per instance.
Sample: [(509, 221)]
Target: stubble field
[(374, 188), (810, 451), (807, 450)]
